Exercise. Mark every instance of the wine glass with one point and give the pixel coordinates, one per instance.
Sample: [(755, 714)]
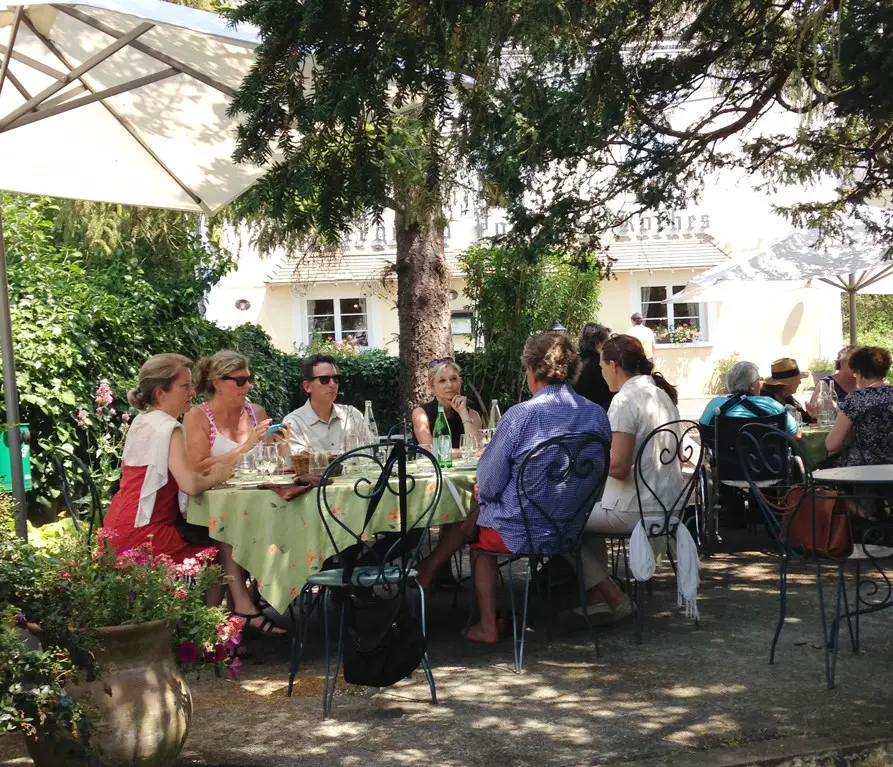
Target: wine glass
[(268, 459), (319, 462), (348, 443), (246, 467), (467, 446)]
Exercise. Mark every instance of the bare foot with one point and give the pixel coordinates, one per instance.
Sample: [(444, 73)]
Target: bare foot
[(477, 633), (425, 574)]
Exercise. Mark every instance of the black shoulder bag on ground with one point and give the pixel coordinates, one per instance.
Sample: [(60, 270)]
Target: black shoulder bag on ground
[(383, 640), (383, 637)]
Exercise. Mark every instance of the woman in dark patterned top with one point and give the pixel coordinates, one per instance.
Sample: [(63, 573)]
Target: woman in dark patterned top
[(864, 429)]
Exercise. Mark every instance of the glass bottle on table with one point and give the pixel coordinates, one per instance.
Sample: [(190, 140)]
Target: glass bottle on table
[(443, 439), (370, 424), (495, 415), (825, 408)]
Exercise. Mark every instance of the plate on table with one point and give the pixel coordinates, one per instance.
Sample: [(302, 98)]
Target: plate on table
[(244, 482)]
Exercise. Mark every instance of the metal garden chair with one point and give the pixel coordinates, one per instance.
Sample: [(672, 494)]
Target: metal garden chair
[(768, 452), (365, 558), (79, 493), (674, 444), (557, 484), (721, 441)]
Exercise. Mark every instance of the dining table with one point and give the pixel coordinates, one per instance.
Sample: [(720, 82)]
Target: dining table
[(812, 443), (281, 543), (873, 532)]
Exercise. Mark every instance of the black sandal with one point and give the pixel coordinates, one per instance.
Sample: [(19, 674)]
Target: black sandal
[(264, 630)]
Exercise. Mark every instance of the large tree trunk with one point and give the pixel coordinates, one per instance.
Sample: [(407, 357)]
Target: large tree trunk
[(423, 305)]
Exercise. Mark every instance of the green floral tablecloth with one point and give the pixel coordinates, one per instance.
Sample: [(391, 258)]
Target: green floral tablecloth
[(812, 443), (281, 543)]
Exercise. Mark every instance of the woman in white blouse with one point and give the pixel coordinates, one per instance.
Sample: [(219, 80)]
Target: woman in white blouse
[(643, 401)]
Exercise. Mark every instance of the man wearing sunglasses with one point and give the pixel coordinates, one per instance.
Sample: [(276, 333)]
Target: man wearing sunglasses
[(321, 424)]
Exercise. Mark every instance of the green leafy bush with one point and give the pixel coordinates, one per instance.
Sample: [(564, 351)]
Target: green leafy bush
[(516, 292), (717, 384)]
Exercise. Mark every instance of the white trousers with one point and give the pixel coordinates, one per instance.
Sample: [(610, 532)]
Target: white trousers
[(594, 551)]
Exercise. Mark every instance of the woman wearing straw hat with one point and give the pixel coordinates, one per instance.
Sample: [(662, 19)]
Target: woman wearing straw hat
[(783, 383)]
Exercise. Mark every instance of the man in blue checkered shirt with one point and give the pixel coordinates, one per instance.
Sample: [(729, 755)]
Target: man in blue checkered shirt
[(498, 527)]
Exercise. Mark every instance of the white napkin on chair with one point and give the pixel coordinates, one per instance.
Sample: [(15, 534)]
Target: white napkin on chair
[(643, 564)]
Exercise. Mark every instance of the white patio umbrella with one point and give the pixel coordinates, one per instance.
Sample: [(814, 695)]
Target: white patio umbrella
[(118, 101), (857, 264)]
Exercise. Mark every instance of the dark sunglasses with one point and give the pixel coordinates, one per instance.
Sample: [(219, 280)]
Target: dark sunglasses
[(441, 361), (239, 380), (324, 380)]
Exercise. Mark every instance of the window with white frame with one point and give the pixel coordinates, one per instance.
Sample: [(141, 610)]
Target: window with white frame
[(460, 323), (340, 319), (671, 323)]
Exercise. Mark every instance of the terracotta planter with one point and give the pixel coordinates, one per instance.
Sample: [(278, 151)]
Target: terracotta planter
[(143, 702)]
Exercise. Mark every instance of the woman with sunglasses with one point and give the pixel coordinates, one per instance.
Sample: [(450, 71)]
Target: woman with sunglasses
[(225, 426), (446, 385), (220, 431)]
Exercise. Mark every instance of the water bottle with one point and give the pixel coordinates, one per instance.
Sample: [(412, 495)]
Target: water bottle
[(495, 415), (370, 420), (442, 440), (370, 425), (825, 406)]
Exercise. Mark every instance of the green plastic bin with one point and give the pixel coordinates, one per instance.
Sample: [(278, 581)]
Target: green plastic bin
[(5, 474)]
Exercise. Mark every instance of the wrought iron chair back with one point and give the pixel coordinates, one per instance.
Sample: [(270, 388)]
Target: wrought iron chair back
[(724, 447), (68, 484), (379, 473), (767, 451), (772, 463), (558, 483), (669, 446)]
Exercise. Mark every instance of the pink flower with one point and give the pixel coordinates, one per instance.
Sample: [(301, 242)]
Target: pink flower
[(188, 567), (104, 394), (217, 655), (125, 417), (207, 555), (180, 593), (112, 411), (235, 668), (187, 652), (99, 411), (82, 414)]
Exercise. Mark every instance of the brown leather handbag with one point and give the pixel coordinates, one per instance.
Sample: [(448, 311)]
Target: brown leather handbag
[(830, 536)]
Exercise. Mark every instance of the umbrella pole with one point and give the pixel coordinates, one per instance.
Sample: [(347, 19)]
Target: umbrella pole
[(11, 396), (851, 294)]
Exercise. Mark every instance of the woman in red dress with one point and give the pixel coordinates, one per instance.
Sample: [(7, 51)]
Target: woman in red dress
[(155, 463), (157, 467)]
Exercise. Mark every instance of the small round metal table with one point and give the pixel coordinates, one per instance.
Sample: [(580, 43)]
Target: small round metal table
[(855, 475), (872, 592)]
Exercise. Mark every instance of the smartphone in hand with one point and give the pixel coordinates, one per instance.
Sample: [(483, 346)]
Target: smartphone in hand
[(274, 427)]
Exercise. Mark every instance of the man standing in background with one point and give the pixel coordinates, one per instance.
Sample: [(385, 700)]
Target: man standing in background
[(645, 334)]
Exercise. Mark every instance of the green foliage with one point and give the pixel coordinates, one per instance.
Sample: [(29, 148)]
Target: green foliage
[(81, 317), (874, 322), (820, 364), (721, 369), (515, 292)]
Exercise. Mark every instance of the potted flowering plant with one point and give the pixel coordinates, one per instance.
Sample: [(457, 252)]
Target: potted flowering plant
[(683, 333), (105, 684)]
